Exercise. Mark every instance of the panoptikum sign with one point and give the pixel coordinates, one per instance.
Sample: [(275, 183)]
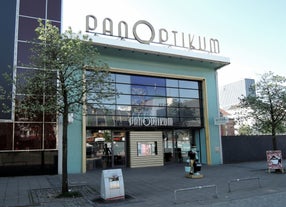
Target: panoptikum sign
[(170, 38)]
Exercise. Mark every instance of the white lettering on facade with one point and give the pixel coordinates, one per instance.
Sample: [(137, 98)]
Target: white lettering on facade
[(195, 42), (150, 121), (137, 36)]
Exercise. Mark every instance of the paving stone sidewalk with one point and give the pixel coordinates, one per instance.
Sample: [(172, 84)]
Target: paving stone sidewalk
[(250, 185)]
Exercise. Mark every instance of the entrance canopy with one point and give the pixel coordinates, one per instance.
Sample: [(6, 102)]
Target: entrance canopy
[(198, 58)]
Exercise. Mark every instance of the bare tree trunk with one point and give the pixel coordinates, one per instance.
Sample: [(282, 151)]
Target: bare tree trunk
[(274, 140), (65, 153)]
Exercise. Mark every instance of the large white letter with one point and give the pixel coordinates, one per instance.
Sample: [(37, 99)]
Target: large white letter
[(215, 44), (105, 30), (120, 29), (149, 26), (93, 19), (175, 37), (161, 40)]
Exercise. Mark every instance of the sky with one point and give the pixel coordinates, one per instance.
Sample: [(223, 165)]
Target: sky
[(252, 33)]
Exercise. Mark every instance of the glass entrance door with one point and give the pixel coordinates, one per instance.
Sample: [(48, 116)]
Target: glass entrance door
[(105, 149), (119, 148), (177, 144)]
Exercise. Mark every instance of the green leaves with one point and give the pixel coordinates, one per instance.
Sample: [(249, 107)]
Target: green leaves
[(268, 106)]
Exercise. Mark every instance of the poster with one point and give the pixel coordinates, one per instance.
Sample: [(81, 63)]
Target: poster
[(274, 159)]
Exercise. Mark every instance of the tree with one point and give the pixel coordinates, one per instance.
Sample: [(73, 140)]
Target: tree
[(245, 130), (268, 106), (67, 75)]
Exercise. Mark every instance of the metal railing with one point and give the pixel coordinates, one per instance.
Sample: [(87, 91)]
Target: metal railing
[(195, 188), (243, 179)]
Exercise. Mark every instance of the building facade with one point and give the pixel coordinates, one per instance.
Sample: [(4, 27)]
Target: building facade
[(167, 102), (230, 93)]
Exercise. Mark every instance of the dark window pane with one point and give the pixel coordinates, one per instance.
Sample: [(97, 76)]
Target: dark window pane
[(190, 122), (184, 102), (189, 112), (27, 108), (24, 53), (28, 136), (57, 24), (6, 134), (33, 8), (173, 112), (27, 28), (154, 101), (54, 10), (50, 139), (24, 78), (151, 111), (50, 108), (144, 80), (100, 121)]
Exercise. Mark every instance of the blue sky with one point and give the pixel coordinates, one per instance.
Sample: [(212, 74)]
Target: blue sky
[(252, 33)]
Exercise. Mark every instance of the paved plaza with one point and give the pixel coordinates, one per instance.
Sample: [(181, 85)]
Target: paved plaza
[(232, 185)]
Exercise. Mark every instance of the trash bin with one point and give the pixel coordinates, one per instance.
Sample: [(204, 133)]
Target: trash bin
[(112, 184)]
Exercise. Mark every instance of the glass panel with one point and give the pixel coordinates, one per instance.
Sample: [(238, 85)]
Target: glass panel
[(54, 10), (27, 28), (92, 98), (120, 78), (28, 136), (173, 92), (190, 122), (50, 109), (24, 53), (107, 110), (33, 79), (124, 99), (33, 8), (188, 84), (189, 102), (189, 112), (145, 80), (33, 114), (172, 83), (119, 148), (6, 134), (183, 145), (50, 139), (148, 111), (173, 102), (91, 120), (189, 93), (173, 112), (154, 101), (148, 90), (100, 120), (122, 121), (123, 88)]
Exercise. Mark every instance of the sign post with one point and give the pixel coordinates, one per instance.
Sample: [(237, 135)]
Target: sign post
[(220, 120)]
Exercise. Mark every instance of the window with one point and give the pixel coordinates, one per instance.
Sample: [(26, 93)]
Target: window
[(147, 148), (151, 97)]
